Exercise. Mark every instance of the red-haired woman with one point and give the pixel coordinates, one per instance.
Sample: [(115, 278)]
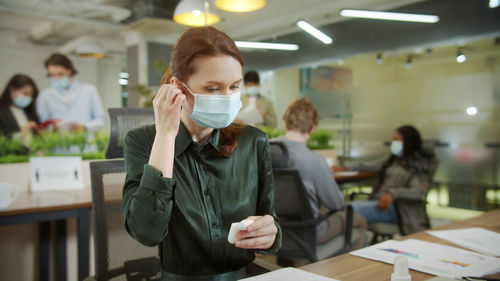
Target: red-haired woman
[(194, 173)]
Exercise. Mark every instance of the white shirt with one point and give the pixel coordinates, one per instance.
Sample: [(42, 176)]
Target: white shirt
[(80, 103)]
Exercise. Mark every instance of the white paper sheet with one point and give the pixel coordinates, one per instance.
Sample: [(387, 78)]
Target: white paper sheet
[(432, 258), (346, 173), (289, 274), (475, 238)]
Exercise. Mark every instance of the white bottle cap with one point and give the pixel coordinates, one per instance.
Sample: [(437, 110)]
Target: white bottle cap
[(401, 272)]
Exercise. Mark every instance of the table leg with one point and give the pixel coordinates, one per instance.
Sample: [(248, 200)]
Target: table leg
[(61, 261), (83, 243), (44, 258)]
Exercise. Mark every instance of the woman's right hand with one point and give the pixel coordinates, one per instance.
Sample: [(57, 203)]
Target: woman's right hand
[(167, 106)]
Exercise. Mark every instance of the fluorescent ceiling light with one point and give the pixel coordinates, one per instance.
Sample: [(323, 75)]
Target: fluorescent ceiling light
[(389, 16), (494, 3), (314, 32), (263, 45)]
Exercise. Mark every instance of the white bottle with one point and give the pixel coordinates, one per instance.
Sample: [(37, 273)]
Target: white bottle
[(401, 272)]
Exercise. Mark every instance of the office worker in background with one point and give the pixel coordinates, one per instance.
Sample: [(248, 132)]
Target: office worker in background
[(404, 174), (193, 173), (18, 106), (74, 105), (301, 119), (257, 109)]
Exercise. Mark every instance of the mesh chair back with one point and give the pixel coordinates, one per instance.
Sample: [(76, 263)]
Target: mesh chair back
[(292, 205), (117, 254), (122, 121)]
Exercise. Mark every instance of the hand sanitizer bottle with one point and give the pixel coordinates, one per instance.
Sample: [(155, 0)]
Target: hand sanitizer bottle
[(401, 272)]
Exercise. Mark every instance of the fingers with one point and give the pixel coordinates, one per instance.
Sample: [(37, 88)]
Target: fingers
[(258, 235), (263, 242), (259, 222)]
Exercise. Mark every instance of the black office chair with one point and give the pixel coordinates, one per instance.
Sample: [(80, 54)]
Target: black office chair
[(384, 231), (296, 217), (123, 120), (117, 254)]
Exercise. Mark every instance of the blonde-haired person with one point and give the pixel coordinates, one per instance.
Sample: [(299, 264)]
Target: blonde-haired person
[(193, 173), (301, 119)]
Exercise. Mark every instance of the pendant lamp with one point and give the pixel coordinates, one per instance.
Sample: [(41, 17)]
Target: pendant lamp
[(194, 13), (240, 6)]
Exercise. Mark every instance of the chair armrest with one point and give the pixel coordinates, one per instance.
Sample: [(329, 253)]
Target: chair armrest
[(309, 222)]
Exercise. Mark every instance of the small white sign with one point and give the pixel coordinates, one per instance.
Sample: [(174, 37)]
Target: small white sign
[(56, 173)]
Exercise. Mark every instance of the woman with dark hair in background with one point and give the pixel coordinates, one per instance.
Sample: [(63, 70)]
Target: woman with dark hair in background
[(194, 173), (18, 106), (405, 174)]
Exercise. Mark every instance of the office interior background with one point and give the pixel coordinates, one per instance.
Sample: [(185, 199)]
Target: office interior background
[(392, 73)]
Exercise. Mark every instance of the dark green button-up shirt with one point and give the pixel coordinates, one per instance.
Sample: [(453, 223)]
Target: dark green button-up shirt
[(189, 215)]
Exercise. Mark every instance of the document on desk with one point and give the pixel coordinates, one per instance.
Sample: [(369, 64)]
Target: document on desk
[(474, 238), (432, 258), (289, 274)]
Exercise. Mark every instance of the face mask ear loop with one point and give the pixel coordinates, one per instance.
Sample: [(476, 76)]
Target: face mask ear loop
[(187, 88)]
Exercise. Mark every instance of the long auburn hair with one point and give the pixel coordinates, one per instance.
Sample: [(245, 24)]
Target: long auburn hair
[(16, 82), (412, 145), (200, 42)]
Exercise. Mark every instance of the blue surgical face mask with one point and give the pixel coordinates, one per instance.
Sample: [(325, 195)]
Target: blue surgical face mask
[(252, 91), (397, 148), (215, 111), (22, 101), (60, 84)]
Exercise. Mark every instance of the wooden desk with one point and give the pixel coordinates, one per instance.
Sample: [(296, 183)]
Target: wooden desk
[(351, 268), (44, 207)]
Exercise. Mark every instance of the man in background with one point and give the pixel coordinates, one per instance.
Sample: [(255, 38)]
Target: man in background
[(69, 103), (256, 110)]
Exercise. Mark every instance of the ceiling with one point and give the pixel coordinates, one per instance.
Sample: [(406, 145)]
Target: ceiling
[(56, 23)]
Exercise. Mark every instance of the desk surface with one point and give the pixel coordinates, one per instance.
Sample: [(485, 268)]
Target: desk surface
[(360, 176), (37, 202), (350, 268)]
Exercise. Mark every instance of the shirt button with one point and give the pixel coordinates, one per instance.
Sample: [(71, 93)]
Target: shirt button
[(214, 225), (207, 192)]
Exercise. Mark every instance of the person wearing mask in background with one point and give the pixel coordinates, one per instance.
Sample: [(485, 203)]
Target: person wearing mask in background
[(404, 174), (73, 104), (257, 109), (194, 173), (301, 119), (18, 106)]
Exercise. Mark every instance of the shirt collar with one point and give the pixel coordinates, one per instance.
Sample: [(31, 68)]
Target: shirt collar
[(184, 140)]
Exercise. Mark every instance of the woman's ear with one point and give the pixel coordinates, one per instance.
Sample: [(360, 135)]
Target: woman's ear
[(174, 80)]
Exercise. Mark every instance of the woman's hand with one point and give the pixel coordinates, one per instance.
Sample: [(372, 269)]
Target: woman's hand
[(167, 106), (259, 235), (385, 201)]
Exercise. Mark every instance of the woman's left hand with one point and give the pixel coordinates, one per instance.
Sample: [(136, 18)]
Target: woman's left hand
[(259, 235)]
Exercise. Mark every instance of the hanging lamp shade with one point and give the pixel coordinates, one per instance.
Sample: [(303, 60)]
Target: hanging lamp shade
[(240, 6), (91, 48), (192, 13)]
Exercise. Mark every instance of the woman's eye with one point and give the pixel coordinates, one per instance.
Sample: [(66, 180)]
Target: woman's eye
[(235, 87), (212, 90)]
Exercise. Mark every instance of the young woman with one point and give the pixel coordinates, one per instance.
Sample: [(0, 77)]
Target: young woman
[(17, 106), (194, 173), (404, 174)]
